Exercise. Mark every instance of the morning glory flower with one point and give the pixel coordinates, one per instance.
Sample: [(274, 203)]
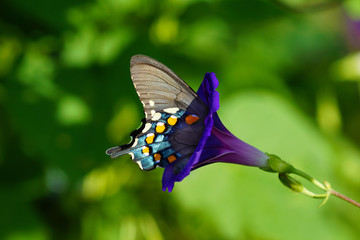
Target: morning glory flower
[(217, 144)]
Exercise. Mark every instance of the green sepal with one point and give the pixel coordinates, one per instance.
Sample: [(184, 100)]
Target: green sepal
[(275, 164), (291, 183)]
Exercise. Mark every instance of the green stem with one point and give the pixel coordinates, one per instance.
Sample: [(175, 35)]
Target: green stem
[(309, 178)]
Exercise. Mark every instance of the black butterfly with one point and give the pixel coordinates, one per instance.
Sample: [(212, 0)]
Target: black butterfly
[(174, 117)]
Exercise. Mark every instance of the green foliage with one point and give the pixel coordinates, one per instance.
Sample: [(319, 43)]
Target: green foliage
[(289, 85)]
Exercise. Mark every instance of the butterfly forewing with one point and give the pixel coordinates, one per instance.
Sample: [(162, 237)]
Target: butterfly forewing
[(160, 88)]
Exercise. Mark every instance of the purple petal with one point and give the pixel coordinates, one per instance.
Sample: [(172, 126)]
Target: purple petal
[(223, 146), (217, 144), (212, 100)]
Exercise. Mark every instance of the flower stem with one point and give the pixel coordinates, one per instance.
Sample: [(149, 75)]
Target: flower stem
[(345, 198), (309, 178), (326, 187)]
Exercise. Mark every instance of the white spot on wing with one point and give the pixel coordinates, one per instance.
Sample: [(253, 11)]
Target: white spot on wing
[(151, 103), (140, 165), (150, 134), (135, 142), (156, 116), (152, 112), (132, 155), (171, 110), (147, 127), (160, 124)]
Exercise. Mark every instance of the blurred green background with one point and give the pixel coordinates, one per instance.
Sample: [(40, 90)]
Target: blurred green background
[(289, 74)]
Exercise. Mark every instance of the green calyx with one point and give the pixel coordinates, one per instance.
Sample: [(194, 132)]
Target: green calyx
[(276, 164)]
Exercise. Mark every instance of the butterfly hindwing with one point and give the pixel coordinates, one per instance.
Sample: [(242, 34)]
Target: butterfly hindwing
[(174, 117)]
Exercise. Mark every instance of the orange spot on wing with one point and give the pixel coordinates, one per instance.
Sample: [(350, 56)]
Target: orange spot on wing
[(160, 127), (190, 119), (150, 138), (172, 120), (157, 156), (146, 150), (171, 158)]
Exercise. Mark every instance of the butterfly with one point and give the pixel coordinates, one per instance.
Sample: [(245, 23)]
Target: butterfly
[(174, 117)]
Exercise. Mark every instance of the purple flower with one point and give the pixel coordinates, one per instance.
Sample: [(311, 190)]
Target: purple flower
[(217, 144)]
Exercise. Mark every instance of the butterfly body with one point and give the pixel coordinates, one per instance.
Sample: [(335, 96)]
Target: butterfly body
[(174, 117)]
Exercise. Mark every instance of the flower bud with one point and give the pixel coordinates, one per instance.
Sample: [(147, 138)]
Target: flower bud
[(291, 183)]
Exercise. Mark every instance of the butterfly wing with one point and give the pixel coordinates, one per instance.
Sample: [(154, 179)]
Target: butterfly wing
[(174, 115), (160, 88)]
